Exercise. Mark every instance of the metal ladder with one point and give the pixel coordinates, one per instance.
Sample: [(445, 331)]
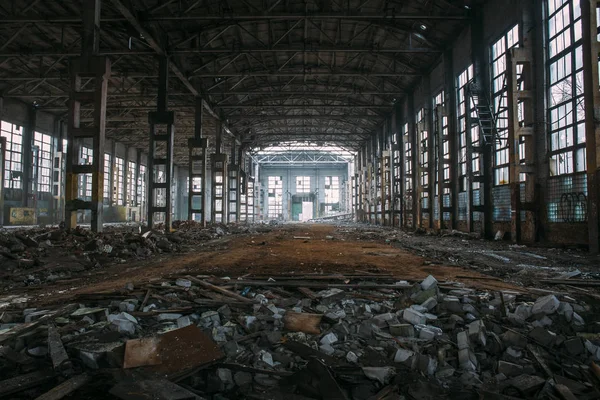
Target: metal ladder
[(486, 118)]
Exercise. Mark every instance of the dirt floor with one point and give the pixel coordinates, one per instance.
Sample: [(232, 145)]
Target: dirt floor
[(300, 249)]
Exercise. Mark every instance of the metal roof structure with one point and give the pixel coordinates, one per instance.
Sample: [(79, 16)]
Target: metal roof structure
[(326, 71)]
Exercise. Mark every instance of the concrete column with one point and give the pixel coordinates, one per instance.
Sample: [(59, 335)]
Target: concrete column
[(165, 119), (450, 101), (27, 151), (98, 66), (198, 149)]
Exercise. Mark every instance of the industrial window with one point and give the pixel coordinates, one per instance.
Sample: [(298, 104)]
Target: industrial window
[(464, 106), (118, 178), (85, 180), (565, 74), (131, 184), (141, 186), (567, 188), (439, 100), (302, 184), (43, 161), (332, 189), (13, 165), (107, 177), (275, 202), (407, 159), (500, 102), (423, 142)]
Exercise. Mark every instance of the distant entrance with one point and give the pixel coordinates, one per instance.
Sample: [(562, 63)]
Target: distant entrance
[(303, 207)]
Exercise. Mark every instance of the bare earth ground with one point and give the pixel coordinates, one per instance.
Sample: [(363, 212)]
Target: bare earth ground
[(283, 251)]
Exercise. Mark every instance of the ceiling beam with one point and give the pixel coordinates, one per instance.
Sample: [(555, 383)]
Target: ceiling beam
[(226, 50), (344, 15), (303, 106)]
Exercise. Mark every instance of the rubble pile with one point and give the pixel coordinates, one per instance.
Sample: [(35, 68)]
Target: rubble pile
[(312, 337), (32, 256)]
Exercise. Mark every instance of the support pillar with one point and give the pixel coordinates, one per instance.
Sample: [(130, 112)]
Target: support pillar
[(450, 104), (2, 169), (89, 65), (160, 154), (28, 191), (415, 201), (198, 149), (219, 180), (233, 187), (591, 50)]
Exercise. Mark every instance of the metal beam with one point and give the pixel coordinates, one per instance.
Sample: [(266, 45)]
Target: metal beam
[(304, 106), (153, 43), (344, 15), (290, 117), (307, 73), (222, 50)]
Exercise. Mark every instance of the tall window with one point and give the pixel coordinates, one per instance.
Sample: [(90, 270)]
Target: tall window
[(302, 184), (107, 177), (118, 180), (131, 184), (567, 187), (43, 161), (332, 189), (500, 102), (464, 106), (141, 186), (438, 100), (275, 201), (85, 180), (13, 165), (423, 136)]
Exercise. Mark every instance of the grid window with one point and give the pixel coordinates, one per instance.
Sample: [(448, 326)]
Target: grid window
[(303, 184), (463, 79), (275, 200), (118, 180), (566, 113), (107, 177), (141, 186), (407, 159), (438, 100), (13, 165), (85, 180), (565, 96), (43, 143), (500, 102), (131, 184), (332, 189)]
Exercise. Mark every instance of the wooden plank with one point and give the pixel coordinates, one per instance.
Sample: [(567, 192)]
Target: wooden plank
[(65, 388), (29, 326), (24, 382), (564, 392), (308, 293), (322, 285), (220, 290)]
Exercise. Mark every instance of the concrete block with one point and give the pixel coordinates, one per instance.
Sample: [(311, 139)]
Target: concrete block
[(509, 369), (546, 305), (414, 317), (430, 303), (404, 330), (429, 283)]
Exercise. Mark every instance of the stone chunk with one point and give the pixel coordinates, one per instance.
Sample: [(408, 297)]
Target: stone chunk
[(329, 339), (527, 384), (168, 317), (574, 346), (404, 330), (546, 305), (543, 336), (467, 360), (403, 355), (463, 340), (509, 369), (414, 317), (429, 283), (183, 283), (430, 303)]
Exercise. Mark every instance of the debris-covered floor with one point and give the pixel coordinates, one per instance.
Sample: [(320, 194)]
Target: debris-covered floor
[(294, 311)]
